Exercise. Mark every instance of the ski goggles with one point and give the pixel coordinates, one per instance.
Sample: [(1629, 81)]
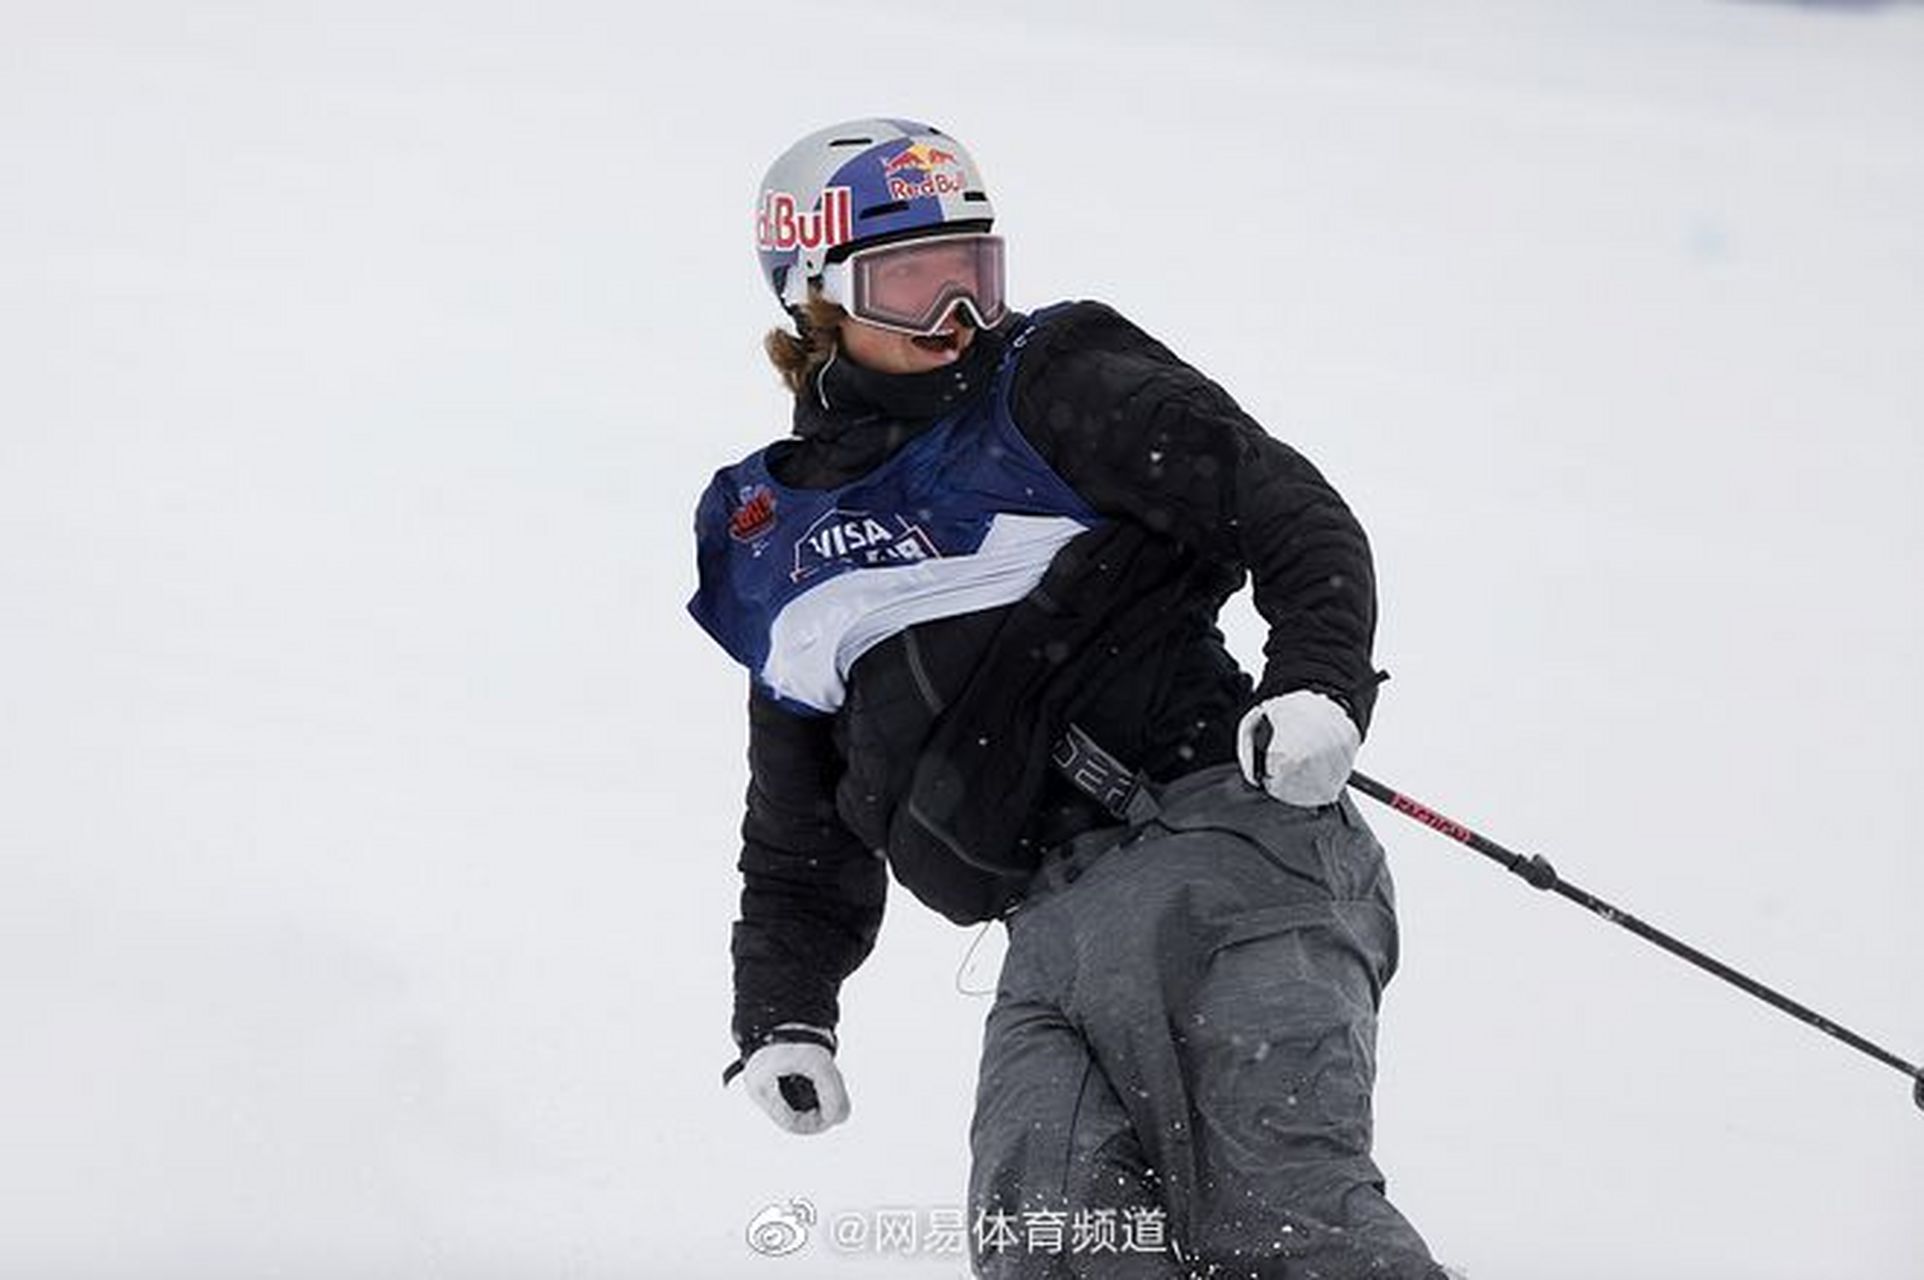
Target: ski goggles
[(911, 286)]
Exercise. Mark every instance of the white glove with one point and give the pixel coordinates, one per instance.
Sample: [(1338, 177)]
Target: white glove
[(1312, 744), (799, 1062)]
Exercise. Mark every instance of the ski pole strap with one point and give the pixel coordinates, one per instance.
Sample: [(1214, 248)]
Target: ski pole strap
[(1103, 778), (787, 1032)]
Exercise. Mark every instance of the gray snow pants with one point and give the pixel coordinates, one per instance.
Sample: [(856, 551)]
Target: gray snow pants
[(1176, 1073)]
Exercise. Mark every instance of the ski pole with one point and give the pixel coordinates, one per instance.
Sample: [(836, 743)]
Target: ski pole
[(1539, 874)]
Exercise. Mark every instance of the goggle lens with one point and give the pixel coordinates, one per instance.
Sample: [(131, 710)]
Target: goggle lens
[(912, 286)]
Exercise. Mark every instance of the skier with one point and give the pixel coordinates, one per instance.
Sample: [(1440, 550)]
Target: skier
[(976, 594)]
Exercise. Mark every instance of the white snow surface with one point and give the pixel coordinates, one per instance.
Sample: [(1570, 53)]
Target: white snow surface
[(368, 804)]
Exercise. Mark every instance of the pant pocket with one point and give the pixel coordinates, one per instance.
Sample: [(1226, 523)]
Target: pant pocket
[(1281, 1040)]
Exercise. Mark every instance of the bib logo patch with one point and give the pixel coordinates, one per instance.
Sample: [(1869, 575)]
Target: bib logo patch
[(755, 516), (861, 540)]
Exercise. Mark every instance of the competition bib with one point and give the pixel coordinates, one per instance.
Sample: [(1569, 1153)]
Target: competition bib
[(797, 584)]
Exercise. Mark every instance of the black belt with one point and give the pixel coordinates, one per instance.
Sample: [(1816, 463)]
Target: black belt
[(1120, 790)]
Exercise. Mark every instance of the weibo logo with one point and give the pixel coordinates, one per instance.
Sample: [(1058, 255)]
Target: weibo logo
[(857, 539)]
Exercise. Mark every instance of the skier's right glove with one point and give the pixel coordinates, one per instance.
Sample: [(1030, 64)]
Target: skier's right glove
[(793, 1078), (1298, 747)]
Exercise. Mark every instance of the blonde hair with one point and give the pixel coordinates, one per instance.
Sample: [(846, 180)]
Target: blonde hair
[(799, 356)]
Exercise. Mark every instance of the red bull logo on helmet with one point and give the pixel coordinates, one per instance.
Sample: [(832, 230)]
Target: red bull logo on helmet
[(780, 224), (919, 171)]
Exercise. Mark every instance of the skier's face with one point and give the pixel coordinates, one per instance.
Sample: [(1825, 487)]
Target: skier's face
[(886, 351)]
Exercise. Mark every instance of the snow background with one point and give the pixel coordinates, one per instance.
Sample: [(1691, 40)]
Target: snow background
[(367, 803)]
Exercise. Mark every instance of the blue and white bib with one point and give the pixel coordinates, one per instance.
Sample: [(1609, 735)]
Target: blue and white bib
[(797, 584)]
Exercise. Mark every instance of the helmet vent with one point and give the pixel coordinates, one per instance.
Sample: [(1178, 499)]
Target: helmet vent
[(879, 210), (975, 195), (850, 142)]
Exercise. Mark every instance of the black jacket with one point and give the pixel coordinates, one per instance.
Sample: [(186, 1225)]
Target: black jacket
[(1119, 637)]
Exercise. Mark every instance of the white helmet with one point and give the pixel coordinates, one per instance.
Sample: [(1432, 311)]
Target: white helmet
[(858, 185)]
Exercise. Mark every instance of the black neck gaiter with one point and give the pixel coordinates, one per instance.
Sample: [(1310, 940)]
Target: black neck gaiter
[(850, 418)]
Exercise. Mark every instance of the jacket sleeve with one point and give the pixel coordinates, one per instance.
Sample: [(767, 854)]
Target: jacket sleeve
[(812, 894), (1143, 436)]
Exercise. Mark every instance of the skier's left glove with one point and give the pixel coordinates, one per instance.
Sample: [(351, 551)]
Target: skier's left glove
[(1298, 747), (793, 1078)]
